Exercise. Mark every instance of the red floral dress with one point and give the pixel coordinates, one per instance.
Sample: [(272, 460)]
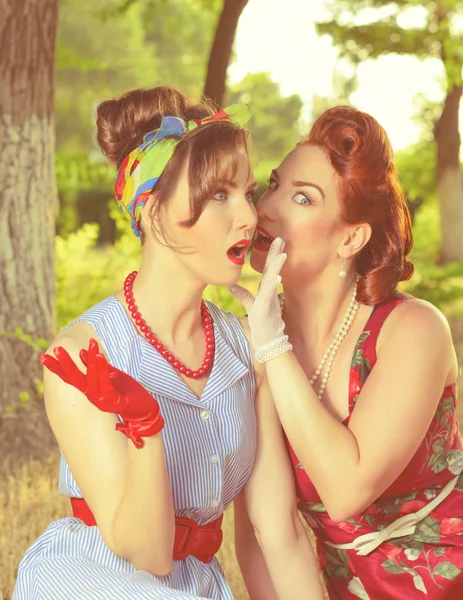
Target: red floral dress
[(429, 562)]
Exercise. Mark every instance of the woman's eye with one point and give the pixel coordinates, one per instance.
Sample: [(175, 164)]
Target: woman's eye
[(301, 198), (220, 196), (250, 196), (272, 184)]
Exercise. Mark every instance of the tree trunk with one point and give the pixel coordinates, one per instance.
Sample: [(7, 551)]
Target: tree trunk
[(28, 197), (449, 178), (222, 45)]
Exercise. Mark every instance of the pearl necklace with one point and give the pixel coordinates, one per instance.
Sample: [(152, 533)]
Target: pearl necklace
[(326, 363)]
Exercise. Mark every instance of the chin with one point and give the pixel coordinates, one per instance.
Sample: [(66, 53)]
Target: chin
[(225, 279), (257, 261), (233, 279)]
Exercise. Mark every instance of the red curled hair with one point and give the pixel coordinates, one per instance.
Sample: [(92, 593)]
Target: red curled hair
[(361, 154)]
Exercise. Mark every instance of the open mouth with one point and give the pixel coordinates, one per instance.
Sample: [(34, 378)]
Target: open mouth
[(263, 240), (237, 252)]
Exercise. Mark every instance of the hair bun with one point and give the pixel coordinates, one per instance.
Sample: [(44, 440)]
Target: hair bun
[(359, 148), (122, 123)]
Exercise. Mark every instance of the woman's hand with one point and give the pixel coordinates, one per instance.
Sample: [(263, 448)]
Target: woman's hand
[(264, 312), (110, 390)]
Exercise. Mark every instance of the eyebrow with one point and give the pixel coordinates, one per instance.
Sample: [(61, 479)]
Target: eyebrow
[(253, 185), (309, 184), (301, 183)]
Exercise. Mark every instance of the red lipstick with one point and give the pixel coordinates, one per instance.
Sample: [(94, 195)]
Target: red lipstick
[(237, 252), (262, 240)]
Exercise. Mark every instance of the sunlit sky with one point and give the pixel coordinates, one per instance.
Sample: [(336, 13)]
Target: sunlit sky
[(279, 37)]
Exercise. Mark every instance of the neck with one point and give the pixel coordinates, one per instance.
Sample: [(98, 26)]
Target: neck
[(315, 310), (168, 297)]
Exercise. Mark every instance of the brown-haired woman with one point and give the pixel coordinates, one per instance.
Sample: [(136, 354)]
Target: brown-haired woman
[(366, 390), (148, 499)]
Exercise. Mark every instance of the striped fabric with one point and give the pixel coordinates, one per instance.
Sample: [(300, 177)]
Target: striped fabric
[(210, 447)]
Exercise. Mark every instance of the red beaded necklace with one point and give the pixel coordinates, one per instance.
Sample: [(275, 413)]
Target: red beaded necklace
[(152, 339)]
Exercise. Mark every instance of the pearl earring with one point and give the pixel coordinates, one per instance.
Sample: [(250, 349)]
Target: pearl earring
[(342, 270)]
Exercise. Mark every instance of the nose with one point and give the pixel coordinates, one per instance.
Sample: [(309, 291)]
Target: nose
[(247, 218)]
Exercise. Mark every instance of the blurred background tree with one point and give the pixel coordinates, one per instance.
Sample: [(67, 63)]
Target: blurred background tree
[(274, 126), (28, 198)]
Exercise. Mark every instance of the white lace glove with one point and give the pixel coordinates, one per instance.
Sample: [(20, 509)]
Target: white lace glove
[(264, 312)]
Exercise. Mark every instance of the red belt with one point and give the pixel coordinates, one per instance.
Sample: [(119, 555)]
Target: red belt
[(201, 541)]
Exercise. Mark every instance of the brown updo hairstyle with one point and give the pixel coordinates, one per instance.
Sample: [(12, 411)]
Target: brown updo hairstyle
[(361, 154), (213, 150)]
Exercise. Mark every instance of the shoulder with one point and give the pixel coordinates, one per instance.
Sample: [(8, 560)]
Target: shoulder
[(418, 318), (417, 330), (78, 333), (75, 338)]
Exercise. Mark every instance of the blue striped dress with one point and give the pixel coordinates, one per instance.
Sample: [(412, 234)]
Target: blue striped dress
[(210, 446)]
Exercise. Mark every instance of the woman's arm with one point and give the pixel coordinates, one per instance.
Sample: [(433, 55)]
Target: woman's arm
[(127, 489), (351, 466), (250, 557), (270, 501)]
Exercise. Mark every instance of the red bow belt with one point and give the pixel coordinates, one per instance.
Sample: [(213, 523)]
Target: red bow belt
[(201, 541)]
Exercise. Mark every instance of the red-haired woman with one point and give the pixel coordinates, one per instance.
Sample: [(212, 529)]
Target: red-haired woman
[(366, 387)]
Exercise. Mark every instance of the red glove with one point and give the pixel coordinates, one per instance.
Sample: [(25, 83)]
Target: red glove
[(110, 390)]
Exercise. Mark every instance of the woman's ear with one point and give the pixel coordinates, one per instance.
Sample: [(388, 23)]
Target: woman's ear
[(357, 237), (146, 218)]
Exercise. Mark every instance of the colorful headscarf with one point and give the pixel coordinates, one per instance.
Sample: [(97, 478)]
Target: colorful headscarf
[(141, 169)]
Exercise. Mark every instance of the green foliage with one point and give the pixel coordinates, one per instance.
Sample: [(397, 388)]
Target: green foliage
[(96, 59), (359, 37), (182, 34), (76, 174), (106, 48), (274, 122), (440, 285), (86, 273), (427, 235), (416, 166), (80, 172)]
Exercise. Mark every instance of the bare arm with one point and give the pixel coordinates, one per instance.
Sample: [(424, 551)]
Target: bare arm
[(351, 466), (126, 488), (270, 502), (250, 557)]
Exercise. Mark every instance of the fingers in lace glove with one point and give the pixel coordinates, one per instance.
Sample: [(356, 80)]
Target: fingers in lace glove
[(270, 276), (243, 295), (275, 250), (264, 312)]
